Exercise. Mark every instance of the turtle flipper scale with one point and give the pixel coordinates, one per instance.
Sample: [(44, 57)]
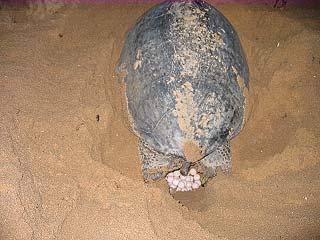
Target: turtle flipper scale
[(156, 165), (220, 157)]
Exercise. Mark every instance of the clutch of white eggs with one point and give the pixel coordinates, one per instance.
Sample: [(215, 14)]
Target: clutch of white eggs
[(180, 183)]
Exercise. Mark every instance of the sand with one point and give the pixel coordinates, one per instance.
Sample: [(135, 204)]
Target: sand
[(69, 166)]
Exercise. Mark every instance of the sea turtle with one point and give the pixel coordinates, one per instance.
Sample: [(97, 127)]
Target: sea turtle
[(186, 78)]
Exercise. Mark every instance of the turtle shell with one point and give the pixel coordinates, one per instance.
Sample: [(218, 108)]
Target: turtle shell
[(185, 77)]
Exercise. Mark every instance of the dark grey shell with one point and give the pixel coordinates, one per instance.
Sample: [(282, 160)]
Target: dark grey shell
[(185, 77)]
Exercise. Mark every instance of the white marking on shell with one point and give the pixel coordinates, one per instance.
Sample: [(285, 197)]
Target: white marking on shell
[(192, 40), (210, 119), (188, 27), (171, 79), (185, 109), (138, 62), (245, 93)]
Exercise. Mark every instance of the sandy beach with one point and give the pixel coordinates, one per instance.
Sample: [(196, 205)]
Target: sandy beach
[(69, 166)]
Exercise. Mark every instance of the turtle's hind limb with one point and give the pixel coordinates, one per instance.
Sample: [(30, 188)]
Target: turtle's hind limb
[(156, 165), (220, 157)]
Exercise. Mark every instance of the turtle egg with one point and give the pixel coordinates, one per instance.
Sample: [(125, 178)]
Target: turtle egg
[(195, 185), (189, 179), (183, 177), (196, 177), (198, 182), (175, 182), (170, 179), (176, 173), (172, 186), (170, 174), (175, 177), (181, 185), (192, 171)]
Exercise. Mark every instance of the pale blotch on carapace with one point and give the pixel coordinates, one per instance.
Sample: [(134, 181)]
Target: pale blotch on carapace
[(188, 25), (245, 91), (138, 62), (185, 111)]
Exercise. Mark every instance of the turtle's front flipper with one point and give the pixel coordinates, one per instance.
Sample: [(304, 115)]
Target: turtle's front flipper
[(156, 165), (220, 157)]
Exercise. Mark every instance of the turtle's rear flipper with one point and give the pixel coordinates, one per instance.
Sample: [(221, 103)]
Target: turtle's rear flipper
[(156, 165), (220, 157)]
